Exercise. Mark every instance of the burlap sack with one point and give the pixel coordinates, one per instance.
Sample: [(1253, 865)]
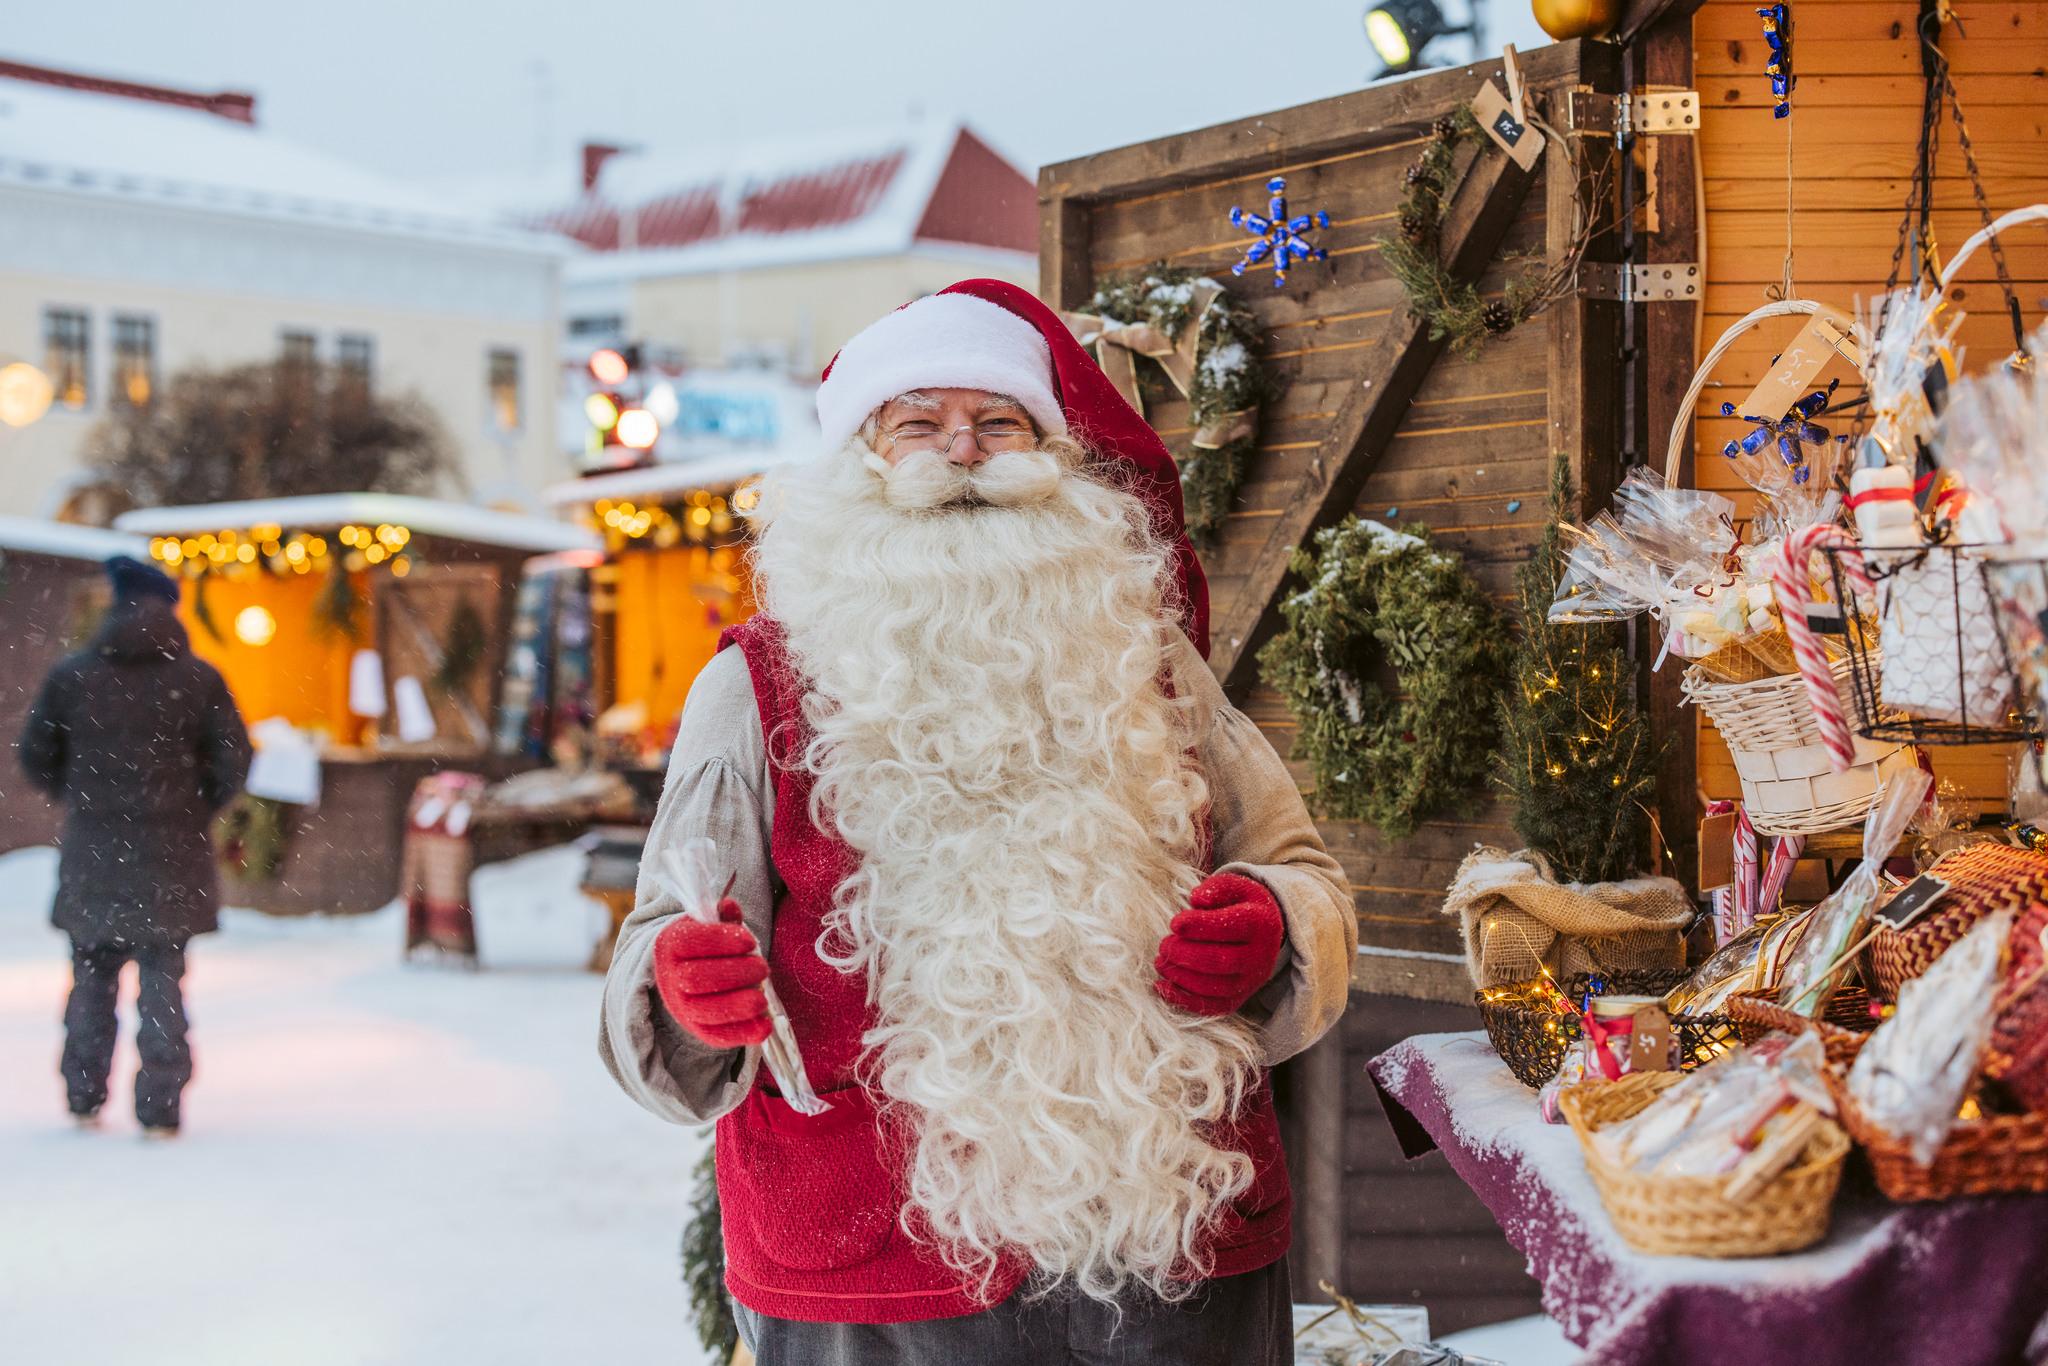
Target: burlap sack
[(1517, 919)]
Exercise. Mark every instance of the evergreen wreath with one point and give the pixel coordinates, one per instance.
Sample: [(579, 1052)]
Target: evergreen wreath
[(252, 836), (1381, 597), (1453, 308), (1577, 758), (1229, 378)]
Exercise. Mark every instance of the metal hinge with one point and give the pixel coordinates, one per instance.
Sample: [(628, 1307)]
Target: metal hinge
[(1625, 117), (1660, 282)]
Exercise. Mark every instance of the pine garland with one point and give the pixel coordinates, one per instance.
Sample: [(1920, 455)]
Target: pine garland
[(1453, 308), (1379, 597), (338, 609), (467, 637), (1229, 378), (704, 1264), (252, 837), (1577, 758)]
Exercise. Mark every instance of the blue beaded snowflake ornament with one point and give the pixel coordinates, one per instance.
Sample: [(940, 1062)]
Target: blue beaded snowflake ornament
[(1281, 238)]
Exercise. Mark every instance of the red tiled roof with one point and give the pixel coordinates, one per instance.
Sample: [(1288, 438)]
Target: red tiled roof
[(976, 197)]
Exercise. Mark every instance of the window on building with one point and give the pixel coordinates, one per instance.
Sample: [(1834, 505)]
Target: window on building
[(298, 348), (504, 390), (597, 325), (353, 356), (134, 360), (67, 354)]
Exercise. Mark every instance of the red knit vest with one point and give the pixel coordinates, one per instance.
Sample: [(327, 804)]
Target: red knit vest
[(811, 1203)]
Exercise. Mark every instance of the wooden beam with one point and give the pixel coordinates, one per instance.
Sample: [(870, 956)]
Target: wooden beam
[(1065, 277), (1482, 209), (1668, 351), (1347, 123)]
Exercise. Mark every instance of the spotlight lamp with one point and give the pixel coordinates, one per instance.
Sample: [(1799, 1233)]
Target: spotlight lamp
[(1400, 29)]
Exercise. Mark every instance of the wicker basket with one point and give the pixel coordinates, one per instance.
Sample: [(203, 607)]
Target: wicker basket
[(1842, 1029), (1788, 784), (1532, 1041), (1687, 1216), (1998, 1155), (1982, 878)]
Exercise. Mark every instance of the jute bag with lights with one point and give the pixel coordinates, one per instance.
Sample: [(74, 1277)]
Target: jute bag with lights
[(1519, 922)]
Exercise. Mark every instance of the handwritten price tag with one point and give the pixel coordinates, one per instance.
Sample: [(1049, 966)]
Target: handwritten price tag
[(1523, 144), (1798, 366)]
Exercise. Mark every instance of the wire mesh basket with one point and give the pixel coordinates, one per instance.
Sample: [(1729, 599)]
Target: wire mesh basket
[(1945, 674), (1532, 1039)]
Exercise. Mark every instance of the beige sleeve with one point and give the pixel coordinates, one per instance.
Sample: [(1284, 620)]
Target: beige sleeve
[(1262, 830), (719, 786)]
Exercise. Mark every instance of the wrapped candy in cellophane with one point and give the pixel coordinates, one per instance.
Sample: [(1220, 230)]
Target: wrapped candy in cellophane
[(693, 873), (1744, 1118), (1821, 961), (1751, 961), (1677, 555), (1912, 1076), (1994, 434)]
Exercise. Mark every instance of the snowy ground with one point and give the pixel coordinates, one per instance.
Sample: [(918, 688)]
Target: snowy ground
[(381, 1165)]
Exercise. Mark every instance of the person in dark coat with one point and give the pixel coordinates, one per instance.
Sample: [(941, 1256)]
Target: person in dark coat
[(140, 739)]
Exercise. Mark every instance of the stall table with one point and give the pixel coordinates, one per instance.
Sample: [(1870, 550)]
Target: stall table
[(1962, 1282)]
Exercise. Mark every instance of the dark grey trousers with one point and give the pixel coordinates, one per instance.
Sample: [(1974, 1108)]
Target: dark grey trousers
[(89, 1028), (1234, 1321)]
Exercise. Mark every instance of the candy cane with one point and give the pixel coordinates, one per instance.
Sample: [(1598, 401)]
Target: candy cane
[(1795, 591), (1784, 854), (1745, 873)]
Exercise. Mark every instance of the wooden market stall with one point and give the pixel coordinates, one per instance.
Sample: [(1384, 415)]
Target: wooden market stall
[(1366, 413), (374, 625), (52, 593), (675, 576)]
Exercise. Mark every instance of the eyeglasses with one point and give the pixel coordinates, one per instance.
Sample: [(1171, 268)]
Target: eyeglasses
[(992, 437)]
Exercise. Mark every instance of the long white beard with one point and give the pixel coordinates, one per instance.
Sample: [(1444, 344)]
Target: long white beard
[(992, 738)]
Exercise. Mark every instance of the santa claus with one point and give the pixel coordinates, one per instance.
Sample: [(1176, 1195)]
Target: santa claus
[(1041, 905)]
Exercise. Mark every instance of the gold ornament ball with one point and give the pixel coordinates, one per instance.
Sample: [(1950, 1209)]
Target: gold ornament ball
[(1563, 19)]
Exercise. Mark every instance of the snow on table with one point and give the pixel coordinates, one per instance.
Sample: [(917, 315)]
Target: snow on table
[(381, 1165), (1961, 1282)]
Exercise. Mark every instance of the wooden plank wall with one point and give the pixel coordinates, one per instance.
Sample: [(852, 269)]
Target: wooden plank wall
[(1470, 459), (1854, 130)]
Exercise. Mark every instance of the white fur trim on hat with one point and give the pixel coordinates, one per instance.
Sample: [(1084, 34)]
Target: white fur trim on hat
[(942, 341)]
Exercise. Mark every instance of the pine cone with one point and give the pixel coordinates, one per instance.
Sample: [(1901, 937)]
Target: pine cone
[(1414, 226), (1418, 173), (1497, 317), (1445, 128)]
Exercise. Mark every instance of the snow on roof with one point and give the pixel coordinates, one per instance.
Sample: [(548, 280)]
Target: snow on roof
[(424, 516), (86, 143), (36, 536), (833, 195), (658, 482)]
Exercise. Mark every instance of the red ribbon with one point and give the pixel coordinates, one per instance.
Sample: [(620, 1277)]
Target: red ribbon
[(1879, 495), (1599, 1032)]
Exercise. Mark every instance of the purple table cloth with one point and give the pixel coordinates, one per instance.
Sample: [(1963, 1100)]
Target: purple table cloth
[(1957, 1283)]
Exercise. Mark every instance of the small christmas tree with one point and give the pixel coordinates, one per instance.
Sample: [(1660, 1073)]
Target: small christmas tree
[(704, 1265), (1576, 757)]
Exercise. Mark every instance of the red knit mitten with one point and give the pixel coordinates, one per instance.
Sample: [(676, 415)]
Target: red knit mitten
[(1222, 948), (710, 976)]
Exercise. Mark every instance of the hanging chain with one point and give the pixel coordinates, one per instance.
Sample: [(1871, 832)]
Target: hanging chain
[(1920, 197), (2005, 285)]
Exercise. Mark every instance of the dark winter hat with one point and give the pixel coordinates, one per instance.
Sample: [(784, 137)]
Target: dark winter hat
[(135, 581)]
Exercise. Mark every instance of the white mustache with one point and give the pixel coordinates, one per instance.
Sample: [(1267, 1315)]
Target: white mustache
[(926, 479)]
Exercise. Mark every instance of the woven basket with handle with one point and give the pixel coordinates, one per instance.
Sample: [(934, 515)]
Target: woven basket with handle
[(1996, 1155), (1688, 1216), (1842, 1029), (1982, 878), (1788, 786)]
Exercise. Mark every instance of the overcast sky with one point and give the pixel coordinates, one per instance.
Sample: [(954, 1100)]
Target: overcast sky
[(474, 89)]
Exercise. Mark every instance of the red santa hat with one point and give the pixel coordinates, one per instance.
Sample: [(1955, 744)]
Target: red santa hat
[(988, 334)]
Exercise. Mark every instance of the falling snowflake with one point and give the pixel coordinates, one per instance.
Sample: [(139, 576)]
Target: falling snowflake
[(1280, 237)]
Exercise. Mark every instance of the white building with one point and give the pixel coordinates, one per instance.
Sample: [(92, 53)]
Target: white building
[(144, 231)]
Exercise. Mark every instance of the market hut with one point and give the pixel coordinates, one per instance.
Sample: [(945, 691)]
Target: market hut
[(675, 575), (1456, 324), (52, 592), (373, 626)]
